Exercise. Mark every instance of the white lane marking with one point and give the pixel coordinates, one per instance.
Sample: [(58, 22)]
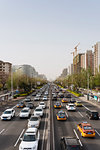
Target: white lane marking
[(80, 114), (18, 114), (97, 132), (67, 114), (19, 137), (77, 137), (2, 131), (86, 107), (14, 107)]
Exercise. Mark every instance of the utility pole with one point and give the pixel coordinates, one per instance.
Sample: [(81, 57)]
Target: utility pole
[(88, 87)]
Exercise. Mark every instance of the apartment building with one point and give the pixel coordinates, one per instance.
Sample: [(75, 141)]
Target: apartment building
[(97, 57), (5, 70)]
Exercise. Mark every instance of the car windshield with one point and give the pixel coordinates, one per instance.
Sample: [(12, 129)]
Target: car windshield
[(78, 102), (29, 138), (7, 112), (33, 119), (87, 127), (38, 110), (61, 114), (24, 111)]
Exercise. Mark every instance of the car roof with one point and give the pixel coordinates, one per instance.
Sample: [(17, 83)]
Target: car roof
[(31, 130), (25, 108), (71, 141), (85, 124)]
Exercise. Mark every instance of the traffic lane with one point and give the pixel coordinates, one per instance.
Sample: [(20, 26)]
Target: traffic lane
[(42, 128), (61, 128), (10, 135), (89, 143)]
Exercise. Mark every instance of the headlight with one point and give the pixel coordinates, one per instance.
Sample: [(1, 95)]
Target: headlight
[(34, 147)]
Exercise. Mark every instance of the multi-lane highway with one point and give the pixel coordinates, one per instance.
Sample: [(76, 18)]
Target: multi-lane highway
[(11, 131), (69, 127), (51, 130)]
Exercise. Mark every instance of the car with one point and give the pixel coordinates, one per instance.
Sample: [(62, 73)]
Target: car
[(30, 139), (45, 98), (54, 97), (92, 114), (38, 111), (65, 100), (70, 107), (34, 121), (57, 105), (42, 104), (30, 105), (73, 100), (70, 143), (20, 105), (78, 103), (8, 114), (67, 95), (27, 99), (86, 129), (37, 98), (61, 115), (60, 95), (25, 113)]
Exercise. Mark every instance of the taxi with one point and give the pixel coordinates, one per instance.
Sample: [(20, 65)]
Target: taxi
[(78, 103), (57, 105), (61, 115), (20, 105), (65, 100), (86, 129)]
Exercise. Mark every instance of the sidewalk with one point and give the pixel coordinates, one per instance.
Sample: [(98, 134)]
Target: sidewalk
[(91, 101)]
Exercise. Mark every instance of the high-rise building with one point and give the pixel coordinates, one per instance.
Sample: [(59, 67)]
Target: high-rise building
[(96, 57), (83, 61), (5, 70), (78, 63), (89, 60)]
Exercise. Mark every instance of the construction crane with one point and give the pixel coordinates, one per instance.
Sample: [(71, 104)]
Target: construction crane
[(76, 48)]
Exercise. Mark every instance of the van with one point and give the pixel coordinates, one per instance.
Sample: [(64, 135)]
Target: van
[(92, 114)]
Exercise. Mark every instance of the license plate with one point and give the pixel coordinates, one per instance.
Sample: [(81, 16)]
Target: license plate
[(89, 133)]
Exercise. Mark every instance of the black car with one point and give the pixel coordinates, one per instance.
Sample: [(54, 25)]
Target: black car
[(70, 143), (73, 100), (92, 114), (54, 97)]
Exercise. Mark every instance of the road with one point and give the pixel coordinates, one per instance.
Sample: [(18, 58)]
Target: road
[(12, 131), (69, 127)]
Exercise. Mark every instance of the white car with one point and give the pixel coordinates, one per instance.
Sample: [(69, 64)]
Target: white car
[(37, 98), (45, 98), (42, 104), (30, 139), (8, 114), (71, 107), (38, 111), (25, 113), (34, 121)]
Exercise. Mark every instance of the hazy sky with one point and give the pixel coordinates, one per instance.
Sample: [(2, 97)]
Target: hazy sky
[(43, 33)]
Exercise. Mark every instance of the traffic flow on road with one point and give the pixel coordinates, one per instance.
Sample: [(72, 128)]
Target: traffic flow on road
[(50, 119)]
